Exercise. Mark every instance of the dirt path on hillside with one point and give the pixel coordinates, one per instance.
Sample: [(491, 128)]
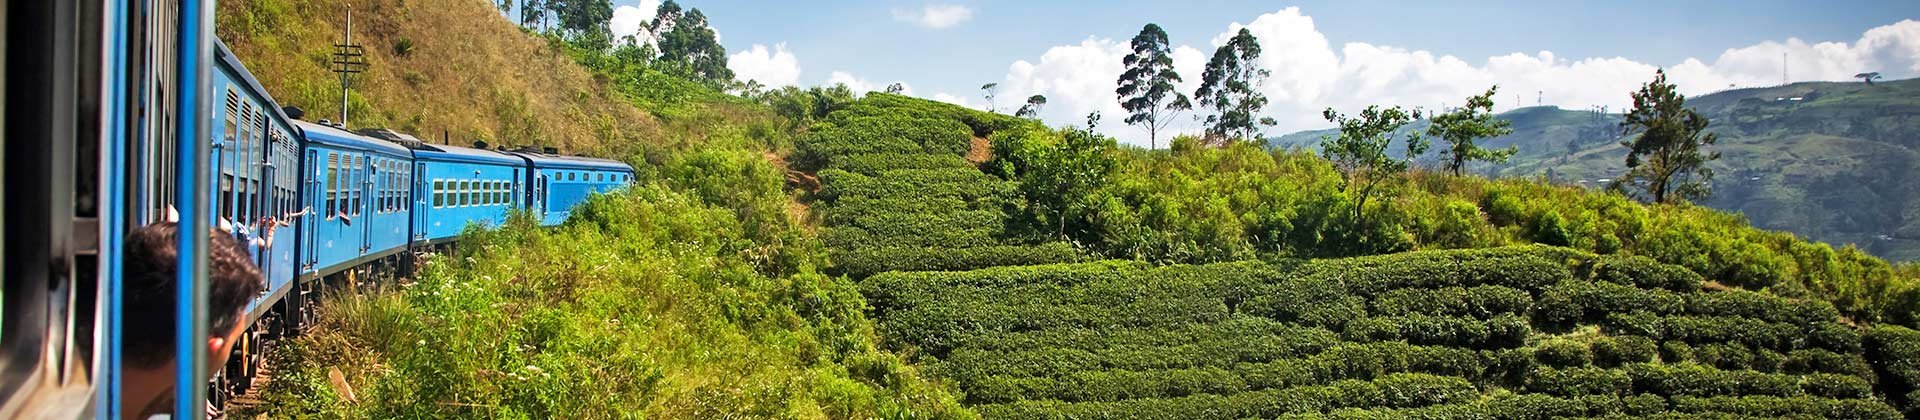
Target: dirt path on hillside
[(798, 211), (980, 150)]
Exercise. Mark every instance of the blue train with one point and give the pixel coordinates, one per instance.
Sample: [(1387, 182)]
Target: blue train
[(135, 115)]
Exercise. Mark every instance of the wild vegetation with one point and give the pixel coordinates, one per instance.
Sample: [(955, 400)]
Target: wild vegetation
[(1836, 165)]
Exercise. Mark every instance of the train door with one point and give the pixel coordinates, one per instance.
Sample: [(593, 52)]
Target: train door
[(420, 194), (539, 204), (364, 199), (309, 225)]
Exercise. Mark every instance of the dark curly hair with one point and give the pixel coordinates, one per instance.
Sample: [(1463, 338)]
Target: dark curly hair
[(151, 292)]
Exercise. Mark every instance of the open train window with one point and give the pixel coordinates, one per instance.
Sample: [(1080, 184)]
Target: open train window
[(360, 178), (333, 184)]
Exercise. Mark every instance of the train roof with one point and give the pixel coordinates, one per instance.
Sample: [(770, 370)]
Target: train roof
[(342, 138), (465, 154), (545, 160), (225, 55)]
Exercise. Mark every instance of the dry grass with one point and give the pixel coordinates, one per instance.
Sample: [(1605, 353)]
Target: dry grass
[(469, 74)]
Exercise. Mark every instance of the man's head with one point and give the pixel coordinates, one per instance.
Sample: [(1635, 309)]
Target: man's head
[(151, 295)]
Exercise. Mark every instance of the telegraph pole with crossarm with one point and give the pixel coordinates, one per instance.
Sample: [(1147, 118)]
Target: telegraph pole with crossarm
[(348, 58)]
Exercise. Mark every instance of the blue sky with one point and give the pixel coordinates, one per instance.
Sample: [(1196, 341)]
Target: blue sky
[(1323, 53)]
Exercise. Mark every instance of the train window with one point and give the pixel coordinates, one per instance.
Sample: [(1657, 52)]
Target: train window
[(439, 193), (473, 192), (227, 158), (460, 193), (572, 176), (386, 177), (333, 184), (359, 192)]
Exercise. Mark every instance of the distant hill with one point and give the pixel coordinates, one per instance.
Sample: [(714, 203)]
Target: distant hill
[(1833, 162)]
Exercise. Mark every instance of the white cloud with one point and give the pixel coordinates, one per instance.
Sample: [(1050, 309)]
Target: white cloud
[(959, 100), (1309, 74), (935, 16), (773, 68), (627, 20), (862, 86)]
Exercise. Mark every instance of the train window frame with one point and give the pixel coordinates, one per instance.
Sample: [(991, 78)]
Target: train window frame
[(460, 193), (360, 181), (439, 193), (332, 187), (245, 157)]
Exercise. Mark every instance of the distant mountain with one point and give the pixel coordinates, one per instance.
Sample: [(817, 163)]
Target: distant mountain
[(1833, 162)]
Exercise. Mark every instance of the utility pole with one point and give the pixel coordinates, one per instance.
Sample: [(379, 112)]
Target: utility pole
[(348, 58)]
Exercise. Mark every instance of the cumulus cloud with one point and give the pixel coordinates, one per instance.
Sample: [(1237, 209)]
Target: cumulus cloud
[(774, 68), (1309, 73), (934, 16), (862, 86), (627, 20), (959, 100)]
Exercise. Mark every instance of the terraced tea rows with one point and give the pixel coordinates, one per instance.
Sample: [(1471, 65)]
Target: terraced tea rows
[(899, 194), (1520, 332)]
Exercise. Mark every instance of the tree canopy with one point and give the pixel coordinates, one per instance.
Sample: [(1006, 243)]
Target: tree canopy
[(1666, 162), (1147, 87), (1460, 127), (1231, 87)]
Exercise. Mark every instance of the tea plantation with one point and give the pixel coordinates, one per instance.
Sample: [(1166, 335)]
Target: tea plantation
[(1504, 333), (899, 194)]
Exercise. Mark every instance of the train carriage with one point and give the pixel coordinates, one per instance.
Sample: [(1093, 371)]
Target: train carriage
[(461, 186), (354, 183), (560, 182), (255, 158), (135, 112)]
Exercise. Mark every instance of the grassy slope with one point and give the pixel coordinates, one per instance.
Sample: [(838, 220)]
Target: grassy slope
[(1838, 166), (470, 74), (693, 296)]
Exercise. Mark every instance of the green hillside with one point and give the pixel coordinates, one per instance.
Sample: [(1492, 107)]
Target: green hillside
[(806, 253), (1505, 333), (1838, 165), (1241, 289)]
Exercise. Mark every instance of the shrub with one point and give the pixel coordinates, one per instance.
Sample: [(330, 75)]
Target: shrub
[(865, 262), (1578, 381), (1762, 306), (1646, 273), (1620, 350), (1482, 302), (875, 163), (1500, 332), (1578, 301), (1896, 353), (1563, 353)]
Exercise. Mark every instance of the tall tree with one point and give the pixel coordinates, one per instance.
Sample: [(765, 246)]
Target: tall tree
[(1359, 151), (1146, 85), (1666, 161), (988, 90), (896, 88), (1231, 87), (1461, 127), (532, 12), (585, 21), (1032, 108), (688, 47)]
